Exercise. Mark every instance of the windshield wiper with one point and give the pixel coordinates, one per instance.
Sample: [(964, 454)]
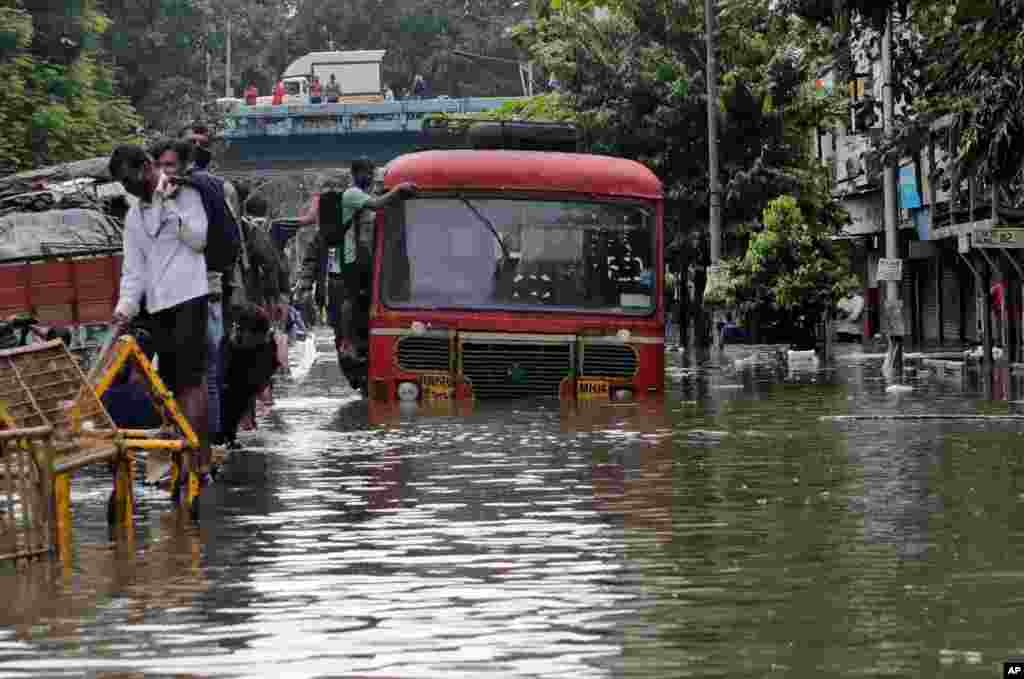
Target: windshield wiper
[(479, 215)]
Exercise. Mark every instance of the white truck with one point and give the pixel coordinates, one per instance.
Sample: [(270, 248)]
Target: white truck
[(357, 73)]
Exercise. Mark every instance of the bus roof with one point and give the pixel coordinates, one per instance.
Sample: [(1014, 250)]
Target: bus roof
[(524, 171)]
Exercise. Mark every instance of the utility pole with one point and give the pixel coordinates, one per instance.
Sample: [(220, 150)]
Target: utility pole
[(715, 185), (227, 61), (893, 308), (715, 224)]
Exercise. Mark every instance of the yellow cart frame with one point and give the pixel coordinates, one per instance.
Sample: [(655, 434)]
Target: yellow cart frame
[(42, 388), (184, 441)]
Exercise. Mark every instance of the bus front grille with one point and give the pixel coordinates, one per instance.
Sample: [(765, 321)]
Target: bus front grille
[(608, 360), (500, 370), (424, 353)]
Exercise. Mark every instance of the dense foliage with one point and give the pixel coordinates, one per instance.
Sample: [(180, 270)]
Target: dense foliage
[(962, 58), (60, 102), (792, 268)]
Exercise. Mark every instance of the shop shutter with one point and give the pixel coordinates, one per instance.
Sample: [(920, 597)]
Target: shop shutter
[(952, 299), (930, 299), (969, 299), (908, 294)]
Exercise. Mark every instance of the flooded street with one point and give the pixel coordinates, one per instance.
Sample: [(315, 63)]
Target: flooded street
[(726, 532)]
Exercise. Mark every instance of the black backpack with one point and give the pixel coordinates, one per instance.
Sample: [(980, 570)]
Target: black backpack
[(223, 237), (332, 230)]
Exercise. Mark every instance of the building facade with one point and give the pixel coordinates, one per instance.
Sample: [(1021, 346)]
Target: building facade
[(952, 290)]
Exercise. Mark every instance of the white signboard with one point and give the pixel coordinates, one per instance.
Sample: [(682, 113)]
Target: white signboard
[(998, 238), (963, 243), (890, 269)]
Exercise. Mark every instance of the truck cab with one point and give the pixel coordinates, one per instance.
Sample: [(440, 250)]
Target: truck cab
[(296, 90)]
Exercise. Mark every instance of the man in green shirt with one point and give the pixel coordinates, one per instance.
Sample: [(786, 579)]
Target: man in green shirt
[(348, 265), (350, 260)]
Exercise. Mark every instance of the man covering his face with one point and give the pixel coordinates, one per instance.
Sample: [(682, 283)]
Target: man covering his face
[(164, 263)]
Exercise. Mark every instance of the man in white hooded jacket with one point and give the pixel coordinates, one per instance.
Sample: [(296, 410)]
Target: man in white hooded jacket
[(164, 264)]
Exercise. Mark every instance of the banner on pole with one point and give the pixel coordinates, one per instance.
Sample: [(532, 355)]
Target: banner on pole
[(890, 269)]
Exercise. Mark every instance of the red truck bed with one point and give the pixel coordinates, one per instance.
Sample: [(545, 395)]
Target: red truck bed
[(67, 291)]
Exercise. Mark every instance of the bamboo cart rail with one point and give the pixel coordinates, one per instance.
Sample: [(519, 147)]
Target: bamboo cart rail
[(26, 487), (42, 385)]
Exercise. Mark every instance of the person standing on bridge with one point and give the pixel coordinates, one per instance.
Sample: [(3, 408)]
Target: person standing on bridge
[(333, 90), (419, 87)]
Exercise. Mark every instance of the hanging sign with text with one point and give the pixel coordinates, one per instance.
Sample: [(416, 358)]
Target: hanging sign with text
[(890, 269), (998, 238)]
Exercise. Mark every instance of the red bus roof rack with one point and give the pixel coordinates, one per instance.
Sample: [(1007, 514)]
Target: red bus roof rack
[(514, 135)]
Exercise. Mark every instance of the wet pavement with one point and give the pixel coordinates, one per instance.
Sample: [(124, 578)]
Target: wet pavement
[(726, 532)]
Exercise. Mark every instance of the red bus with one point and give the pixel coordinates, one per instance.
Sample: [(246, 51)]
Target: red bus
[(517, 274)]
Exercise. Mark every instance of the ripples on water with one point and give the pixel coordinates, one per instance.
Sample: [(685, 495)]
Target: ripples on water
[(727, 532)]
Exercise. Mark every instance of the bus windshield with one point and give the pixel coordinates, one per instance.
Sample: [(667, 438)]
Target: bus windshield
[(488, 253)]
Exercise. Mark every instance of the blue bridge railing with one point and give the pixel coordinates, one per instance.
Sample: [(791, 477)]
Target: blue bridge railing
[(339, 119)]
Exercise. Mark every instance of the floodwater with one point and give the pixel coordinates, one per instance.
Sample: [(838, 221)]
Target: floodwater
[(728, 532)]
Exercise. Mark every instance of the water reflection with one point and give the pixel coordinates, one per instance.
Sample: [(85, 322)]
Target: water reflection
[(724, 531)]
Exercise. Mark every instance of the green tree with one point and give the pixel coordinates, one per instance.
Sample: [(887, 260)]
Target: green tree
[(792, 267), (963, 58), (974, 69), (59, 106)]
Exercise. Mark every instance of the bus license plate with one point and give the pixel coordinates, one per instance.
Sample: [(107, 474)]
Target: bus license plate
[(592, 390)]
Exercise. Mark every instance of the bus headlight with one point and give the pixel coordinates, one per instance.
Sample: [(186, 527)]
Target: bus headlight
[(418, 328), (624, 335), (408, 391), (623, 394)]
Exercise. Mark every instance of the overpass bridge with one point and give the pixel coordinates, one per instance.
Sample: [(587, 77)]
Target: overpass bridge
[(314, 136)]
